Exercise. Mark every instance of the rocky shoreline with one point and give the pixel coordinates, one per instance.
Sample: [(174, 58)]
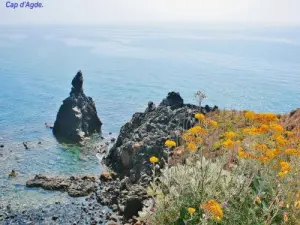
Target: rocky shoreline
[(123, 191), (88, 211), (119, 193)]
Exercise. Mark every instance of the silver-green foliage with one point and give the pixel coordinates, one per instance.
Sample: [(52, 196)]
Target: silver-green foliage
[(198, 181)]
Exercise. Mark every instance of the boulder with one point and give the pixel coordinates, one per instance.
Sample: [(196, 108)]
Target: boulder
[(77, 117), (123, 196), (132, 207), (107, 175), (145, 134)]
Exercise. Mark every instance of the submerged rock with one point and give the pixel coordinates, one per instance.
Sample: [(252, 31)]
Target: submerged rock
[(12, 174), (25, 145), (75, 186), (145, 134), (77, 117)]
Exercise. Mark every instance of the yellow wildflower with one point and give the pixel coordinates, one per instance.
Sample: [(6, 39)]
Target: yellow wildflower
[(285, 165), (277, 128), (270, 153), (251, 131), (263, 159), (191, 210), (228, 144), (229, 134), (153, 159), (213, 208), (199, 116), (285, 168), (242, 153), (297, 204), (189, 137), (212, 123), (265, 118), (170, 143), (197, 130), (257, 130), (261, 147), (250, 115), (280, 140), (291, 151), (263, 128), (192, 146)]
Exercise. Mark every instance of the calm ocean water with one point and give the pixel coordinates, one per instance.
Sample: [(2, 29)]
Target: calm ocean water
[(124, 68)]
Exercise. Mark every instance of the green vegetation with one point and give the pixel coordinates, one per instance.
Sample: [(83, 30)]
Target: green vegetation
[(240, 168)]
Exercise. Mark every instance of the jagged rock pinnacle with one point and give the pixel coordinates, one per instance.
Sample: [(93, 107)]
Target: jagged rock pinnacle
[(77, 82), (77, 117), (173, 99)]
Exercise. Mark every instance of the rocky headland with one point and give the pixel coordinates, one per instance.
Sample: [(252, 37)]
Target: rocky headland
[(145, 134), (77, 117)]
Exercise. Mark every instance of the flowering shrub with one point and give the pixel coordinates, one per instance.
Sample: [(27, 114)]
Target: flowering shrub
[(243, 168)]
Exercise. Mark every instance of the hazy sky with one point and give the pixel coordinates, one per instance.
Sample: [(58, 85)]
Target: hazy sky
[(275, 12)]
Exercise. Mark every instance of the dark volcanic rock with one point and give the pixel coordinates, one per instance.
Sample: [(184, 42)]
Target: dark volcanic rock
[(77, 117), (127, 198), (77, 82), (173, 99), (151, 107), (144, 136), (132, 207), (75, 186)]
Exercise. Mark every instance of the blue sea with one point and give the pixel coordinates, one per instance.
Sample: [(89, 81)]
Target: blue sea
[(124, 68)]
